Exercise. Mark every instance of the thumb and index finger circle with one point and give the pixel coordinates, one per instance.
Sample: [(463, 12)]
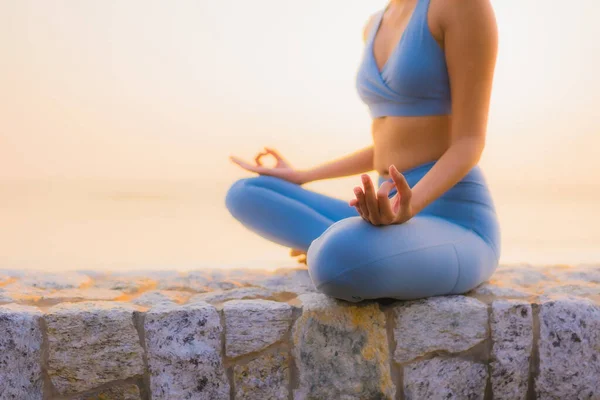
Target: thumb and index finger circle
[(274, 153)]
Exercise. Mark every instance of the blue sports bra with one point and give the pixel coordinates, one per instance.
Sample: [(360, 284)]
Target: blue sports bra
[(414, 80)]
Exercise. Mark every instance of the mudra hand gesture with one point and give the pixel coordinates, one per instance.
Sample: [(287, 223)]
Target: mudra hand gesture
[(282, 168), (376, 207)]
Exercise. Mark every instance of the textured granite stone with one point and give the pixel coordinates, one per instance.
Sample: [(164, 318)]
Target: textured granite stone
[(580, 273), (439, 378), (243, 293), (20, 352), (184, 352), (524, 275), (495, 290), (91, 344), (582, 289), (200, 281), (569, 349), (443, 323), (18, 293), (156, 297), (6, 277), (252, 325), (341, 350), (75, 295), (120, 392), (124, 284), (512, 335), (235, 278), (292, 280), (64, 280), (4, 298), (264, 378)]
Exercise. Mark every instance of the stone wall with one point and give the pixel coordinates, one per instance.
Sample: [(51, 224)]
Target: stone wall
[(529, 333)]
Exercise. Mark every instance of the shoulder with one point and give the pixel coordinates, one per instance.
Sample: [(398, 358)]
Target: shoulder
[(369, 25), (465, 21), (465, 13)]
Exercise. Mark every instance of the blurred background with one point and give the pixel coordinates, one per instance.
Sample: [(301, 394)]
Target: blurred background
[(117, 120)]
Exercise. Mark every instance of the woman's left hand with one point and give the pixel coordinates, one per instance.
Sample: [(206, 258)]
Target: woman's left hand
[(376, 207)]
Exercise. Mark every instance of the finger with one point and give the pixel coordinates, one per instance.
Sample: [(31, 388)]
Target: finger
[(249, 167), (274, 153), (371, 199), (359, 211), (395, 204), (360, 196), (258, 157), (402, 185), (354, 203), (243, 164), (385, 208)]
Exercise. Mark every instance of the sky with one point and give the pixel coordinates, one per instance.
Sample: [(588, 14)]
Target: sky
[(167, 90), (117, 119)]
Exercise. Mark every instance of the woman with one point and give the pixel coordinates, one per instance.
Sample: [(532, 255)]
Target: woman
[(430, 228)]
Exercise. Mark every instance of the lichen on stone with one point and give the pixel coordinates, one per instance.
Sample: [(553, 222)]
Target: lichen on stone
[(266, 377), (341, 350)]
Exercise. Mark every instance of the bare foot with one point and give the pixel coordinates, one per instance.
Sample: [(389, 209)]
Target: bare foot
[(299, 254)]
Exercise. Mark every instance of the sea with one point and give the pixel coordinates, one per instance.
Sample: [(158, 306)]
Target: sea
[(114, 225)]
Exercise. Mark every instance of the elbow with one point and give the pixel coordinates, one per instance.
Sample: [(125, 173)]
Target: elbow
[(477, 149), (470, 148)]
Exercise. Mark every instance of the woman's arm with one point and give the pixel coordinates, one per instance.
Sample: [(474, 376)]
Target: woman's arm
[(356, 163), (470, 44)]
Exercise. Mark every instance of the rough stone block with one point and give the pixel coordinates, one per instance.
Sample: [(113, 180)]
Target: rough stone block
[(91, 344), (120, 392), (252, 325), (438, 379), (512, 335), (443, 323), (20, 352), (56, 281), (341, 350), (264, 378), (243, 293), (156, 297), (569, 349), (184, 352)]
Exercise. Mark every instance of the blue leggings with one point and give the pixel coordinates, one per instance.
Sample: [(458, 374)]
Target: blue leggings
[(450, 247)]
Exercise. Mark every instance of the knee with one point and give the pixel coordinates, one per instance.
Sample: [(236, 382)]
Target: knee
[(240, 193), (235, 195), (334, 252), (245, 192)]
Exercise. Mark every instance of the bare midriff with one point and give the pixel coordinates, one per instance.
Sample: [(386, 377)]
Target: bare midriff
[(407, 142)]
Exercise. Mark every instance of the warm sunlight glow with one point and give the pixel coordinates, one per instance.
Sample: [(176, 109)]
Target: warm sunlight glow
[(117, 118)]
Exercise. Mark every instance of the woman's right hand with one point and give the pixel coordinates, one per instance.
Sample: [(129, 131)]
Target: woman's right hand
[(282, 168)]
